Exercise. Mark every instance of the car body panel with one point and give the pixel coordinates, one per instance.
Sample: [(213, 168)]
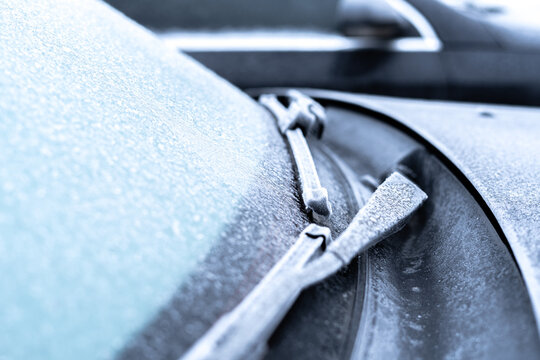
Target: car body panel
[(496, 148)]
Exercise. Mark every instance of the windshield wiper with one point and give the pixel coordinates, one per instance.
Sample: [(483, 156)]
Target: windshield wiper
[(243, 332), (303, 117)]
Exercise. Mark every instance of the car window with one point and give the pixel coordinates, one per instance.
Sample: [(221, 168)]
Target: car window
[(122, 165)]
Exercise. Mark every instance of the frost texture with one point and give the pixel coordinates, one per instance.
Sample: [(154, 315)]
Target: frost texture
[(497, 148), (120, 163)]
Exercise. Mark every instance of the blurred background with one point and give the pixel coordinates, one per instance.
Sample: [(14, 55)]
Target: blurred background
[(473, 50), (300, 14)]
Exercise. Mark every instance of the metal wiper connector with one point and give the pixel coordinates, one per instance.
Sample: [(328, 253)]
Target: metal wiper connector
[(243, 332), (303, 117)]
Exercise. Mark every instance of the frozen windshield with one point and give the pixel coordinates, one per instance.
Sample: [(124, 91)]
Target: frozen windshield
[(120, 164)]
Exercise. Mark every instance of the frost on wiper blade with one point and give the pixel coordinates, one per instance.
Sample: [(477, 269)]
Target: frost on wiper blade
[(243, 332), (303, 117)]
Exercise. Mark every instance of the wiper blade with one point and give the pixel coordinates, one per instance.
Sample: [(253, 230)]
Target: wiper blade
[(243, 332), (302, 117)]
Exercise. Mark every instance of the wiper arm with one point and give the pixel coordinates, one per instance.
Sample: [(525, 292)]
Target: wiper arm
[(243, 332)]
